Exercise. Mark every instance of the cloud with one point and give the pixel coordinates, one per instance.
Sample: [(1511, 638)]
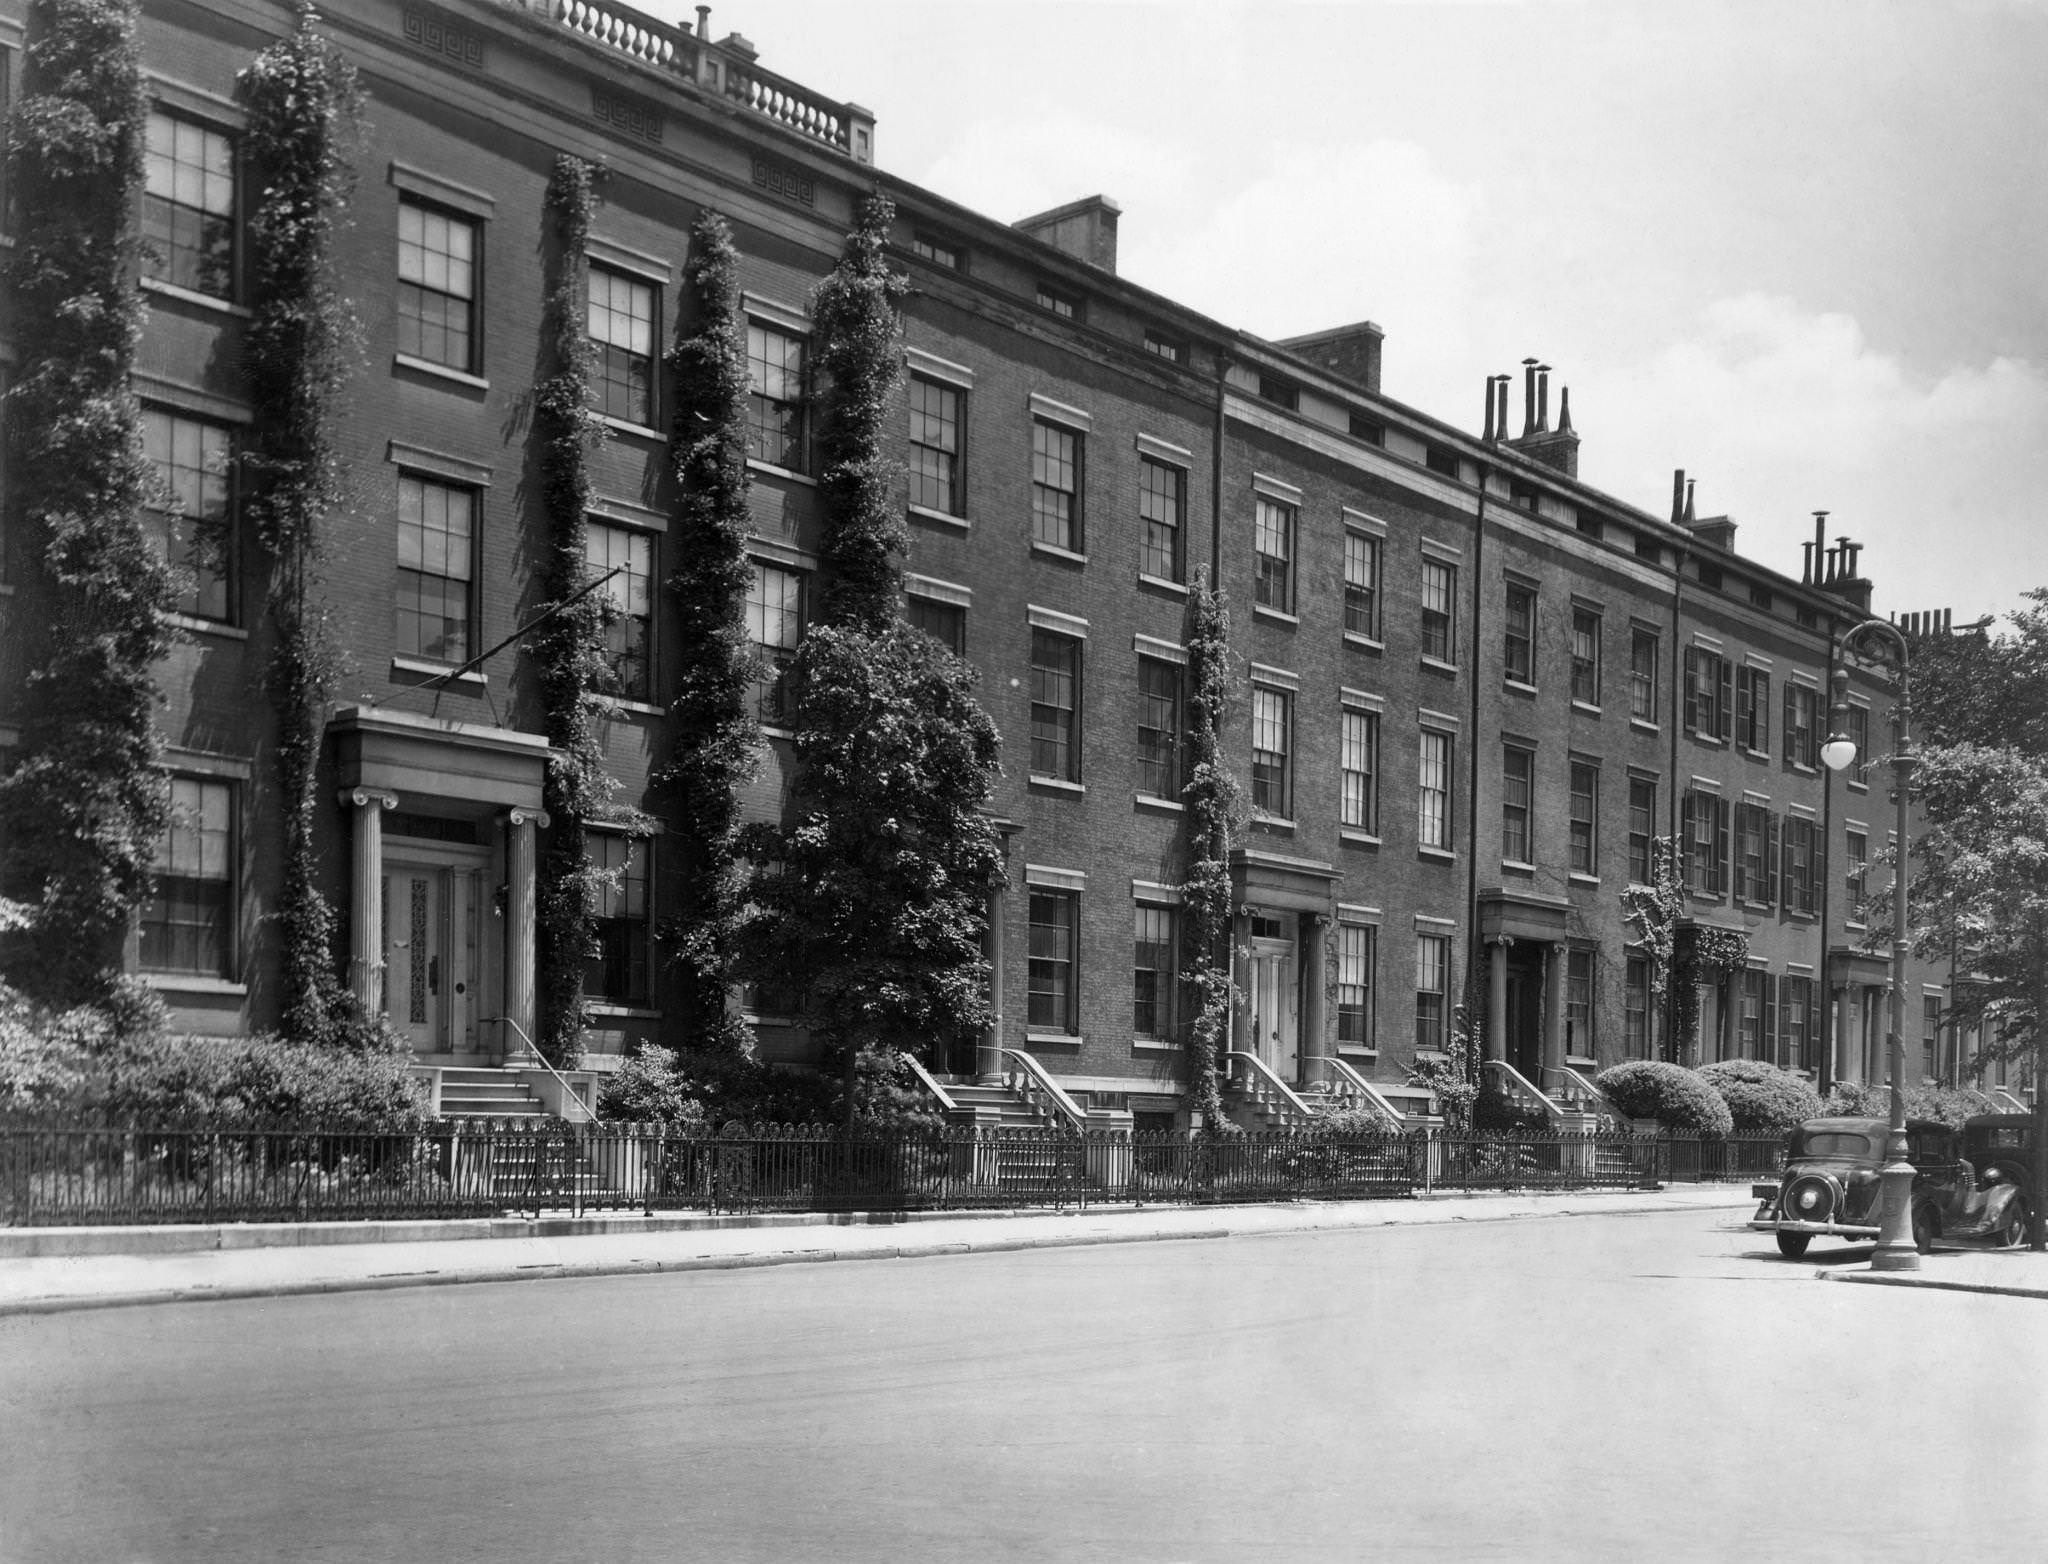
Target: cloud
[(1781, 411), (1012, 168)]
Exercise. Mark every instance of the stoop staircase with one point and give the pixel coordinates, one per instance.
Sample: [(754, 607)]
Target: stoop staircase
[(487, 1094)]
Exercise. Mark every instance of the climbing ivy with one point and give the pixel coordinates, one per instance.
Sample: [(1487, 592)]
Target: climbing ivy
[(715, 747), (568, 646), (1212, 807), (855, 310), (83, 802), (1681, 955), (302, 342)]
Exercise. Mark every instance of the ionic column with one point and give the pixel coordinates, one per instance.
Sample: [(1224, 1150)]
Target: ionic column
[(1315, 1008), (1497, 998), (366, 895), (521, 923), (1553, 1010), (988, 1051), (1848, 1064)]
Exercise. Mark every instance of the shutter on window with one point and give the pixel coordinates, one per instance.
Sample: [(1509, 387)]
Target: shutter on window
[(1791, 721), (1817, 1047), (1720, 808), (1727, 697), (1763, 713), (1816, 860), (1769, 1040), (1692, 689)]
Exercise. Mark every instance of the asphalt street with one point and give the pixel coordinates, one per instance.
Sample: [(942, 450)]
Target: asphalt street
[(1597, 1387)]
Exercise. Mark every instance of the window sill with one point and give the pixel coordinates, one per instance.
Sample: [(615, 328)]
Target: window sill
[(1161, 584), (1277, 615), (1578, 878), (1057, 784), (1438, 665), (773, 731), (786, 474), (1358, 1051), (1054, 1039), (442, 672), (426, 366), (199, 626), (1355, 838), (640, 708), (943, 518), (1154, 801), (1432, 1055), (1153, 1045), (1802, 768), (205, 301), (1364, 643), (1589, 708), (1857, 787), (1707, 739), (1437, 854), (622, 1012), (1519, 687), (1054, 551), (1277, 823), (1578, 1061), (1644, 725), (638, 431), (1519, 866), (178, 983)]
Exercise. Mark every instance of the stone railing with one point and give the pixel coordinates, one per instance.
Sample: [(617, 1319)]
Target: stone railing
[(1569, 1089), (725, 70), (1030, 1080), (1517, 1089), (1354, 1090), (1255, 1078)]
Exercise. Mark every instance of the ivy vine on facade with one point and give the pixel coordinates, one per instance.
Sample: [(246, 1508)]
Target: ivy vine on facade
[(83, 801), (1680, 954), (715, 749), (304, 127), (567, 646), (1211, 799)]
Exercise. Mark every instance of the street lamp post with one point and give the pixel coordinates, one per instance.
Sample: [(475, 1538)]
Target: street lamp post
[(1896, 1249)]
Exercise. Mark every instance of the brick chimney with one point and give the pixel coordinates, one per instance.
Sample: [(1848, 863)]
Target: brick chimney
[(1085, 229), (1555, 448), (1350, 352)]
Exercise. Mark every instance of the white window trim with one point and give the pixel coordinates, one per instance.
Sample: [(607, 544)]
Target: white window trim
[(438, 464), (442, 192), (1276, 489), (1165, 450), (1052, 619), (624, 258), (932, 367), (1073, 418), (775, 313), (1165, 651), (1047, 877), (937, 591), (1275, 678)]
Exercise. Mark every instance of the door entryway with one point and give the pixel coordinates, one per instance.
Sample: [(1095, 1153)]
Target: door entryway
[(1523, 1048), (431, 905), (1274, 1004)]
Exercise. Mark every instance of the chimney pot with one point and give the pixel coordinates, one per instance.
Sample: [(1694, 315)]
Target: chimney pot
[(1677, 496), (1564, 410), (704, 21), (1528, 397), (1489, 436)]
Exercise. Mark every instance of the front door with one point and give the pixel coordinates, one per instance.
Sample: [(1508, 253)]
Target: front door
[(1273, 1005), (1524, 1042), (430, 955)]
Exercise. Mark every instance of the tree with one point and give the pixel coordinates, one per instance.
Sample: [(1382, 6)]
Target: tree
[(873, 893), (1987, 689), (1981, 884), (714, 753), (83, 801)]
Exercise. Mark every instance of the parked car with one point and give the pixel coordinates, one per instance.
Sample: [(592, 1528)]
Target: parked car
[(1831, 1184)]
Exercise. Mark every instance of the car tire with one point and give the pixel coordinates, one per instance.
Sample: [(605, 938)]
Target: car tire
[(1793, 1245), (1926, 1228), (2012, 1233)]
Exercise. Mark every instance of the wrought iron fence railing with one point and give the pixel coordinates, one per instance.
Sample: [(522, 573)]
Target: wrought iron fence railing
[(74, 1175)]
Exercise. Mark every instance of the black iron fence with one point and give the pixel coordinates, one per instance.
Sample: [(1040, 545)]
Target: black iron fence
[(69, 1175)]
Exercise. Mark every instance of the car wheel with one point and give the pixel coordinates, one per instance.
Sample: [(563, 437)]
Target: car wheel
[(1926, 1228), (1793, 1245), (2013, 1232)]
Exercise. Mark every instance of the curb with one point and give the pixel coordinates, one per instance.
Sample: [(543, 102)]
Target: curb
[(571, 1270), (1871, 1279)]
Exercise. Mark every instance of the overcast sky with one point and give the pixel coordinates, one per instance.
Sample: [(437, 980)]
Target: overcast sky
[(1799, 250)]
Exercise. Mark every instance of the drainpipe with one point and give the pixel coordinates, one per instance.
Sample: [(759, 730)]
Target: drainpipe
[(1496, 1047), (1675, 716), (1824, 1073)]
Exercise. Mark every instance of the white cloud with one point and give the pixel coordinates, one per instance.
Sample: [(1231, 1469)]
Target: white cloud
[(1014, 167), (1780, 411)]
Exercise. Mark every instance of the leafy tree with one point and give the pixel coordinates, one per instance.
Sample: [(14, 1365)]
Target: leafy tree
[(83, 801), (1984, 688), (715, 751), (874, 890), (1980, 884)]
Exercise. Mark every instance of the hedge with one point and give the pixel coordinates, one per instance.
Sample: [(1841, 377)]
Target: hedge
[(1762, 1099), (1674, 1096)]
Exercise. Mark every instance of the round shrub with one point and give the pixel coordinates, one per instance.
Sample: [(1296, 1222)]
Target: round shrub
[(1762, 1099), (1674, 1096), (1850, 1099), (262, 1080)]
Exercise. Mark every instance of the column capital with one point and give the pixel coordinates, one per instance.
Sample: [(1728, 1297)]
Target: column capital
[(537, 817), (367, 797)]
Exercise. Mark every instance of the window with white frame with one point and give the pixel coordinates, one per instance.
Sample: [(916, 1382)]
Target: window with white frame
[(187, 924), (1356, 952), (1642, 828), (1635, 1008), (1051, 993), (1709, 694), (1753, 710), (1802, 727), (1055, 706), (1362, 584), (1584, 821), (188, 205), (1643, 646), (1055, 486), (1705, 843), (775, 620), (194, 462), (1359, 771), (1432, 990), (629, 637), (621, 323), (1153, 965), (1855, 865), (1159, 724), (1272, 722), (944, 622), (1517, 782), (1439, 609), (938, 418), (436, 539), (1162, 504), (1586, 655), (1578, 1002), (436, 303), (617, 969), (1273, 524), (1519, 651), (1433, 791), (775, 396)]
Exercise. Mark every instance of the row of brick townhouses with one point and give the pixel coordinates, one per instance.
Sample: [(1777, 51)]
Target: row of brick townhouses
[(1474, 688)]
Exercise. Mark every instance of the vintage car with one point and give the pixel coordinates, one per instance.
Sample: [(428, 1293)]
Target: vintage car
[(1831, 1186)]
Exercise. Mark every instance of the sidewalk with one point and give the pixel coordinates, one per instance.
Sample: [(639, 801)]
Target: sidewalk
[(2013, 1273), (52, 1269)]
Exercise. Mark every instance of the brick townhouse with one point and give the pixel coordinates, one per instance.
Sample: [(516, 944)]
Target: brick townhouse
[(1473, 688)]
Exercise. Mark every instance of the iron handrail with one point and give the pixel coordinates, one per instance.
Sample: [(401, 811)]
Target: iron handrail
[(589, 1110)]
